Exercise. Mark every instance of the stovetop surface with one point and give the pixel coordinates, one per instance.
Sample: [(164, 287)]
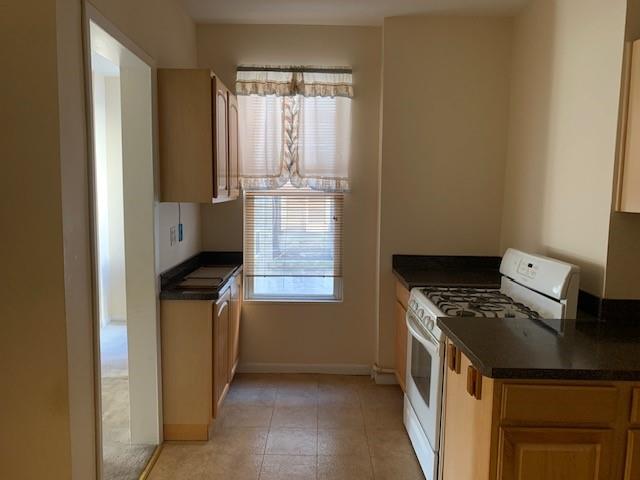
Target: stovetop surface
[(476, 302)]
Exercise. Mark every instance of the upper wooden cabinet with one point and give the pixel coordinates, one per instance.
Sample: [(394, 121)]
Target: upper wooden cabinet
[(628, 198), (198, 137)]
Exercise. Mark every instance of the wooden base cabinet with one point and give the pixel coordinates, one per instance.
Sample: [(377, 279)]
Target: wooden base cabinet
[(532, 430), (199, 341)]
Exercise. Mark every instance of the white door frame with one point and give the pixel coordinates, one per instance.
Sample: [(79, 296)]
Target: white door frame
[(91, 14)]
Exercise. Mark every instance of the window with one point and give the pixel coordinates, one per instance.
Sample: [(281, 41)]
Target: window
[(293, 245), (295, 131)]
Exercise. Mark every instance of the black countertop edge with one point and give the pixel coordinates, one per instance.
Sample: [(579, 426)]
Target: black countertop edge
[(523, 349), (175, 274), (447, 270)]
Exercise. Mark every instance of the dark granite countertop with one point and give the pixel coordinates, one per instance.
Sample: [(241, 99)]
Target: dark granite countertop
[(447, 271), (170, 278), (526, 349)]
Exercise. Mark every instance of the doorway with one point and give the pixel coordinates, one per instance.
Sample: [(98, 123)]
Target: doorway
[(121, 88)]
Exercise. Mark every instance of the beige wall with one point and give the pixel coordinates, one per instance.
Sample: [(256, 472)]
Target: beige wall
[(34, 403), (46, 332), (445, 106), (341, 333), (623, 259), (164, 31), (564, 109)]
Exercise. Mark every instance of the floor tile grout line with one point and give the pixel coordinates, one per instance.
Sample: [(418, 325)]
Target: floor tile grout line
[(366, 436)]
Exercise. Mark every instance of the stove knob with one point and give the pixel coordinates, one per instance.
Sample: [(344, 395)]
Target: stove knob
[(421, 313), (430, 324)]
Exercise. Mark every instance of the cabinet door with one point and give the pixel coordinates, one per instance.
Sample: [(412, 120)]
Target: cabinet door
[(468, 414), (220, 351), (234, 179), (629, 171), (234, 325), (554, 454), (401, 344), (632, 467), (221, 142)]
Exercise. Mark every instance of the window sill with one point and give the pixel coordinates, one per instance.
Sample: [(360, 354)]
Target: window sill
[(282, 301)]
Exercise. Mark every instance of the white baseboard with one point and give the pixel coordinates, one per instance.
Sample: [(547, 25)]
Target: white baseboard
[(328, 368), (385, 378)]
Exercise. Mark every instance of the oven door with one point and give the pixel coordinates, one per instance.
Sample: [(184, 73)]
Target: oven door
[(425, 365)]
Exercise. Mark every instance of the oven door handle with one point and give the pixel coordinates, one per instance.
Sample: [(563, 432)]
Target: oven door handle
[(425, 338)]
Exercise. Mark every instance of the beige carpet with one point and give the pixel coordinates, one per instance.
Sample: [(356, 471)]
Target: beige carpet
[(122, 460)]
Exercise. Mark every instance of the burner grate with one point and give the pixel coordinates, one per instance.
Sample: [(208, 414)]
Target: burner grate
[(470, 302)]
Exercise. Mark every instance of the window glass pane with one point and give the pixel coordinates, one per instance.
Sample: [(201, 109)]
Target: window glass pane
[(293, 287), (293, 241)]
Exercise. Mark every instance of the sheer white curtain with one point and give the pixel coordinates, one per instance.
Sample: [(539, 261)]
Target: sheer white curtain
[(295, 127)]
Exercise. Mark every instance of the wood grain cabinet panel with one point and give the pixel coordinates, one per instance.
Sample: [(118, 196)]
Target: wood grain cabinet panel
[(401, 344), (185, 127), (563, 404), (632, 466), (629, 171), (234, 325), (635, 406), (221, 351), (554, 454), (400, 314), (187, 368), (234, 146), (197, 136), (402, 295), (468, 419)]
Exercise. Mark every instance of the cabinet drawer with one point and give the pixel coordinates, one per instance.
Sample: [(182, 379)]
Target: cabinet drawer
[(567, 405), (635, 406), (402, 294)]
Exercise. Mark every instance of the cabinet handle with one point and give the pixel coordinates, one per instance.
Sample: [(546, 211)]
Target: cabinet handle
[(471, 381), (474, 382), (454, 358), (451, 355)]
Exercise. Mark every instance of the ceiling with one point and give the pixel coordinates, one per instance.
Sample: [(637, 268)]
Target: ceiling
[(337, 12)]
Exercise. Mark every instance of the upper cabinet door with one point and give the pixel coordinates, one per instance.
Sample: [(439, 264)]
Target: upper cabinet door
[(234, 157), (221, 140), (629, 169), (185, 139)]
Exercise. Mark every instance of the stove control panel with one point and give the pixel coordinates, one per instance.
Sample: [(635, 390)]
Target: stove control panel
[(545, 275), (527, 268)]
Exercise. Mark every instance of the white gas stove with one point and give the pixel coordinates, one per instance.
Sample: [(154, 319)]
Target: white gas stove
[(535, 287)]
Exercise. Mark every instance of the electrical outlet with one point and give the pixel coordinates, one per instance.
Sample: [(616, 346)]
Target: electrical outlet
[(180, 232), (172, 235)]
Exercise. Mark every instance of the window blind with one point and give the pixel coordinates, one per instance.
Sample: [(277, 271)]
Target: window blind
[(293, 233)]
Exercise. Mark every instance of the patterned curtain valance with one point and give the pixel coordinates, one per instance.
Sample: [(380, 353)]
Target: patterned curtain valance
[(291, 81)]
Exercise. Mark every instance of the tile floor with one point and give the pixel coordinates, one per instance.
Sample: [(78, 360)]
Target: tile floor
[(299, 427)]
